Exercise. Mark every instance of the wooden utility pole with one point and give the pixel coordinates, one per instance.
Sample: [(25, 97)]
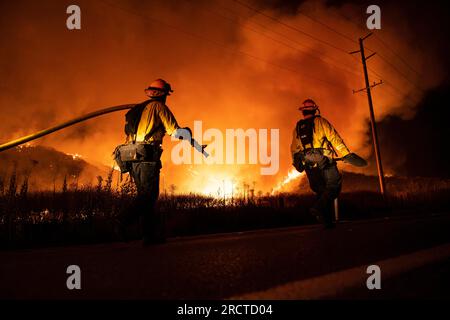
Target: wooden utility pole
[(372, 114)]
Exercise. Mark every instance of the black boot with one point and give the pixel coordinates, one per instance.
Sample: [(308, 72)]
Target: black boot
[(328, 218)]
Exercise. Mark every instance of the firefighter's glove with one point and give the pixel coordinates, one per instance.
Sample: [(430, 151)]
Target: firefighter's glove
[(354, 160), (185, 134), (298, 162)]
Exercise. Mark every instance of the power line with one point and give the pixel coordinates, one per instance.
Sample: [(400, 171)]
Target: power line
[(388, 83), (349, 38), (382, 57), (401, 73), (396, 55), (322, 41), (328, 27), (240, 52), (285, 44), (391, 86), (290, 26), (266, 28), (344, 36), (395, 89), (400, 93)]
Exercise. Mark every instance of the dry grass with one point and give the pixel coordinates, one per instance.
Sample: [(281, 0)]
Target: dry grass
[(86, 215)]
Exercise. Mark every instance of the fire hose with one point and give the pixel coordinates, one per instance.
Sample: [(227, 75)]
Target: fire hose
[(39, 134)]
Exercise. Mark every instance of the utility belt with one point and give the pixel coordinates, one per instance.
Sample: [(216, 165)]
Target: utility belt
[(126, 154), (314, 157)]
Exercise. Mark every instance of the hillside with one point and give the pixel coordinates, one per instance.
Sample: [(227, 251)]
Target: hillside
[(46, 168)]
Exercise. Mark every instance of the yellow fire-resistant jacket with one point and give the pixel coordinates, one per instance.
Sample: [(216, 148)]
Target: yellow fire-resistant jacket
[(324, 136), (156, 120)]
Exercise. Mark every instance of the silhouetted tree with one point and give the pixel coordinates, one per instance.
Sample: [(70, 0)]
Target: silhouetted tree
[(109, 180), (99, 183), (13, 182), (64, 187), (24, 188), (172, 189)]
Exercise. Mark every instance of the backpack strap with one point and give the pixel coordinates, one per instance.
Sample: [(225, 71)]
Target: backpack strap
[(305, 131), (132, 118)]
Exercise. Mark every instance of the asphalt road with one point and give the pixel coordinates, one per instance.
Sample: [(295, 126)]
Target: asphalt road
[(232, 265)]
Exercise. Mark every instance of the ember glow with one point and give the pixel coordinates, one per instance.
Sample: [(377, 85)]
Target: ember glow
[(75, 156), (24, 146)]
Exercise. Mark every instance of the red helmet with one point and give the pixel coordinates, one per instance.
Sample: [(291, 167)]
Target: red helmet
[(309, 104), (158, 87)]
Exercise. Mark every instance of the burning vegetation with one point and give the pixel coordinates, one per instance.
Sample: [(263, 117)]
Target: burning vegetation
[(87, 213)]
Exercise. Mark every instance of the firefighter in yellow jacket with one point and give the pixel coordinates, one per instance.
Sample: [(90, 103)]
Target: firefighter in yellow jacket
[(146, 125), (315, 147)]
